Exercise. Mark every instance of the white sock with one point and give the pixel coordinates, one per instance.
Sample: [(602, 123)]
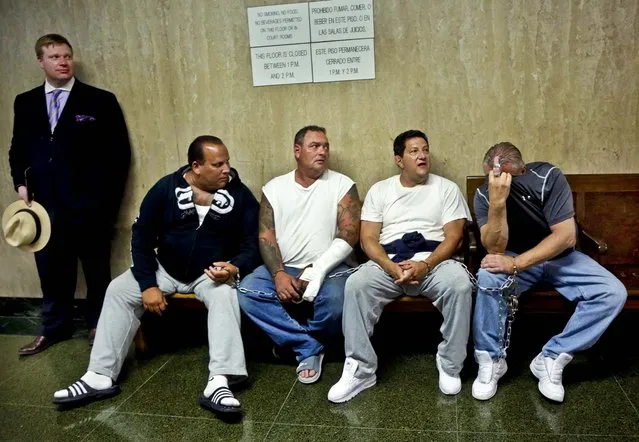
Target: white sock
[(93, 380), (216, 382)]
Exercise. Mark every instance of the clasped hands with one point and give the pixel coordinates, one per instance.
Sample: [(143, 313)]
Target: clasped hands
[(407, 272), (222, 272), (154, 300)]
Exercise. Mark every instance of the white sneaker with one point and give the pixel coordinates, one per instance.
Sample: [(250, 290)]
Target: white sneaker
[(448, 384), (349, 386), (489, 373), (549, 372)]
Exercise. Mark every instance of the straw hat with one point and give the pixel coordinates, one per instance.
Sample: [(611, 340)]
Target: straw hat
[(28, 228)]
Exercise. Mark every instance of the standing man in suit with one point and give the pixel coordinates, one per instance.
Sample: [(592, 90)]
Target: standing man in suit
[(57, 128)]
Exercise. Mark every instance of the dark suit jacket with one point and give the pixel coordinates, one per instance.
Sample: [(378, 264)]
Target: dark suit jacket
[(79, 171)]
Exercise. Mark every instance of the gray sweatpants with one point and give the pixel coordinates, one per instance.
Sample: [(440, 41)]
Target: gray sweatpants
[(369, 289), (123, 308)]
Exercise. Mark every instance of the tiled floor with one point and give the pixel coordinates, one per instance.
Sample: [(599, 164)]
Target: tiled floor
[(158, 401)]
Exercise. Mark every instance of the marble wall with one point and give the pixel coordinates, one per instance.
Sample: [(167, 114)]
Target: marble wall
[(560, 79)]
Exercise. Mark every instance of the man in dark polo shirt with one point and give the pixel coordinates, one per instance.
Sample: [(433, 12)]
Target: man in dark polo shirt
[(525, 214)]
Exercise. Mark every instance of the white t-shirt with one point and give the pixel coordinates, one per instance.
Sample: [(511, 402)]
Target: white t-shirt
[(305, 217), (201, 212), (424, 208)]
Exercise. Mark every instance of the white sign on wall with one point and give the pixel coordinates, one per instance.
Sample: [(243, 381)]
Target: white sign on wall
[(341, 20), (277, 25), (312, 42), (343, 60), (281, 65)]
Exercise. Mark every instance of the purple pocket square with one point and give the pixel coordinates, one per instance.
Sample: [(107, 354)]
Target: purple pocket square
[(81, 118)]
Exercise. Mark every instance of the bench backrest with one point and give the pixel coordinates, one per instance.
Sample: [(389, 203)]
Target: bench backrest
[(606, 206)]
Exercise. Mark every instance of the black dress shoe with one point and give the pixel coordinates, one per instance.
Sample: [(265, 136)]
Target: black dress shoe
[(40, 343)]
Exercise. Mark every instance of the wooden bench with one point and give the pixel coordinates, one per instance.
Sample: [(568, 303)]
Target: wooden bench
[(185, 301), (401, 304), (607, 213)]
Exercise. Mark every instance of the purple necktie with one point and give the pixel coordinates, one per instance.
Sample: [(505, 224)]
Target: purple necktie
[(54, 110)]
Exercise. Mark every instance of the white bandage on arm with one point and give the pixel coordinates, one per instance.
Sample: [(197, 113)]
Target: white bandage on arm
[(333, 256)]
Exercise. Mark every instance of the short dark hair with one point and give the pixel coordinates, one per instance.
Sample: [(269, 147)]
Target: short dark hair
[(48, 40), (299, 136), (399, 145), (507, 151), (196, 148)]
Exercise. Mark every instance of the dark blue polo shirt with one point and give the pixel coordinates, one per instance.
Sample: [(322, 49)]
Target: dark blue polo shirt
[(538, 199)]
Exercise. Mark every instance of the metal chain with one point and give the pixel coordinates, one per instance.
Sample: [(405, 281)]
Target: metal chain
[(344, 272), (236, 286), (507, 299), (506, 284), (512, 304)]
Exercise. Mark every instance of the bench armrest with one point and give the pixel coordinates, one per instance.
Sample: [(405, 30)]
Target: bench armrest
[(472, 241), (590, 244)]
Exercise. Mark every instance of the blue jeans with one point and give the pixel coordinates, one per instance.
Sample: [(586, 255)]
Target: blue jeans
[(266, 310), (599, 295)]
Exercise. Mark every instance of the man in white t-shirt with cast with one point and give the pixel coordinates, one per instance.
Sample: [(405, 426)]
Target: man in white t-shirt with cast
[(412, 223), (309, 223)]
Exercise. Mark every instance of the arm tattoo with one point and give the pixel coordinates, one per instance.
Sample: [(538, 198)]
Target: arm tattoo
[(268, 241), (267, 219), (348, 216)]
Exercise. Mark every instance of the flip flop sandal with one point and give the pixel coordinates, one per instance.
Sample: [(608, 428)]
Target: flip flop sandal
[(81, 393), (311, 363), (213, 402)]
